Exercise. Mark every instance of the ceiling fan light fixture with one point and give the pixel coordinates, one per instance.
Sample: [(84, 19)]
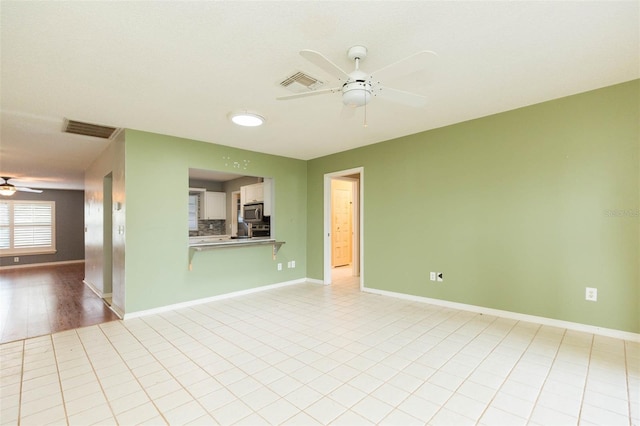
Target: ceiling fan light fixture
[(7, 189), (247, 119), (356, 94)]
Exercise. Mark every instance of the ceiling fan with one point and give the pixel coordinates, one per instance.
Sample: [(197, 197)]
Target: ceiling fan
[(8, 189), (359, 87)]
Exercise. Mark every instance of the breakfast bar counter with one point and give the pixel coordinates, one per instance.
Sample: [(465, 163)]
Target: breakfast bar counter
[(197, 244)]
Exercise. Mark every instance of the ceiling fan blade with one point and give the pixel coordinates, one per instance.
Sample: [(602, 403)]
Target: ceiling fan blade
[(319, 60), (23, 189), (400, 96), (409, 65), (311, 93)]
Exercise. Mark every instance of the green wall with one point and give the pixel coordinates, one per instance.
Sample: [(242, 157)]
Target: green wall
[(521, 210), (157, 176)]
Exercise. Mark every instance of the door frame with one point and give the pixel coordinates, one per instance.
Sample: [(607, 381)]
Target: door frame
[(358, 228), (106, 289)]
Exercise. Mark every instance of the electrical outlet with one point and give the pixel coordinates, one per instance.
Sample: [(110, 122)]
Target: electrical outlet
[(279, 266), (439, 277), (289, 264), (16, 259), (591, 294), (293, 263), (432, 276)]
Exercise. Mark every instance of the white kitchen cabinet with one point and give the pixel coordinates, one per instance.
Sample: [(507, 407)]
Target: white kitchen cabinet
[(258, 193), (268, 196), (215, 206), (252, 193)]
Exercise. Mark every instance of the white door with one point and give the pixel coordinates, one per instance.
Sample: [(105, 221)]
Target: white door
[(341, 222)]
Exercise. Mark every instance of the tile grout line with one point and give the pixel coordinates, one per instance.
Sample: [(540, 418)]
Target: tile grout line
[(555, 357), (21, 382), (586, 379), (626, 371), (55, 358)]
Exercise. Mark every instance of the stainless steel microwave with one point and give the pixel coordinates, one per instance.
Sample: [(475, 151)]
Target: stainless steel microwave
[(252, 213)]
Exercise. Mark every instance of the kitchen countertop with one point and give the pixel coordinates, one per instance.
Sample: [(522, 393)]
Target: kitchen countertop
[(198, 244), (222, 240)]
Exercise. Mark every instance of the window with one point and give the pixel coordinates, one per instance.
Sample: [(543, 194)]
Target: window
[(193, 212), (27, 227)]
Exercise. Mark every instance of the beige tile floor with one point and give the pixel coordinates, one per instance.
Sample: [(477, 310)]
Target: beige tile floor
[(310, 354)]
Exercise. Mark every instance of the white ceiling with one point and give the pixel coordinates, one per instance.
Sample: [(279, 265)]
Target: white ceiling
[(179, 68)]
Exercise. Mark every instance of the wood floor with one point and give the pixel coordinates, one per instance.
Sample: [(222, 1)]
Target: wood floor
[(47, 299)]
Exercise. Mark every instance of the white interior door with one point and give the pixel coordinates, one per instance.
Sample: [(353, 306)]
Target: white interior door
[(341, 222)]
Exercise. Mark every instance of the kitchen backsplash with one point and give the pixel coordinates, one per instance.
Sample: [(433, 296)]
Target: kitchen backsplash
[(209, 227)]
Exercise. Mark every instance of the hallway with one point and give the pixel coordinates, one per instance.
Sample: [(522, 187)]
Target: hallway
[(41, 300)]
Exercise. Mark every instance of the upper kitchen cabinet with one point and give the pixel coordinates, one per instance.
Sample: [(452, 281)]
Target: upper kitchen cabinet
[(252, 193), (258, 193), (215, 206)]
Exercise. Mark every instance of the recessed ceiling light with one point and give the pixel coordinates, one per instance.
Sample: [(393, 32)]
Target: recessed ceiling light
[(247, 119)]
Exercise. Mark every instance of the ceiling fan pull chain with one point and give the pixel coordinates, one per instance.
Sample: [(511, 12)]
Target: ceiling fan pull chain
[(364, 94)]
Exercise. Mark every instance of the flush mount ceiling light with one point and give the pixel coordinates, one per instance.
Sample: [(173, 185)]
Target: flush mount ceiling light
[(246, 119)]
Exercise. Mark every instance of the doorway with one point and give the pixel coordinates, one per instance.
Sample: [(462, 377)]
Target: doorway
[(236, 211), (343, 201), (107, 238), (341, 222)]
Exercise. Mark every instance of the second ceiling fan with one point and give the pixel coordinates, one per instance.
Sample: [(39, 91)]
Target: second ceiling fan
[(7, 189)]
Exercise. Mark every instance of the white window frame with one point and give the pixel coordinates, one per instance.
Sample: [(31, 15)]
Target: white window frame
[(11, 228)]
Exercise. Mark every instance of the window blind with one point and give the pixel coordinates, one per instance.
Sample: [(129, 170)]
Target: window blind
[(27, 226), (5, 241)]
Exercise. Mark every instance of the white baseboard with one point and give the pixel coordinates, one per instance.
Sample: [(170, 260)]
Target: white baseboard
[(35, 265), (119, 312), (93, 288), (617, 334), (102, 295), (314, 281), (210, 299)]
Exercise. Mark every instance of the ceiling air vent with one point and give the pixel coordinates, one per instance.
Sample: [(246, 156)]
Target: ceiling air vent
[(88, 129), (301, 82)]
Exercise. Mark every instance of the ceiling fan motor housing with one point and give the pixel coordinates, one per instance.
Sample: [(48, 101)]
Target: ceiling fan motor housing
[(359, 52), (357, 91)]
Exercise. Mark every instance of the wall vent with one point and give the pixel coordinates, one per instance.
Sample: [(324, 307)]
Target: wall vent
[(88, 129), (301, 82)]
